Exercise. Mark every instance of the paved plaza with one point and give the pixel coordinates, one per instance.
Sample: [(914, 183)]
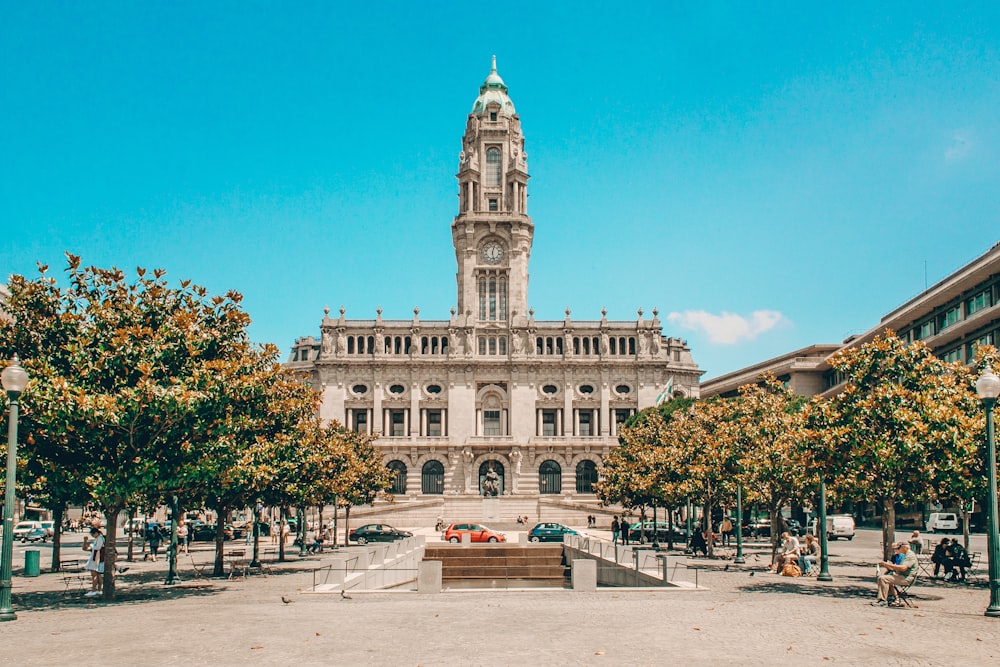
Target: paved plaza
[(736, 618)]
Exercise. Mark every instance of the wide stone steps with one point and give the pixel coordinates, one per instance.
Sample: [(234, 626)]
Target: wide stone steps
[(533, 562)]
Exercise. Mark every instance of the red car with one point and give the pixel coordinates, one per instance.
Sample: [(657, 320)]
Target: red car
[(453, 533)]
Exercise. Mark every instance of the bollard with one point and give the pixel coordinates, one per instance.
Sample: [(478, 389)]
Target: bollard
[(663, 564), (31, 563)]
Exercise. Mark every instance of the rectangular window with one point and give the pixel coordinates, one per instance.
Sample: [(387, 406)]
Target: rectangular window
[(954, 355), (585, 425), (491, 422), (398, 423), (361, 421), (482, 345), (949, 317), (621, 415), (494, 204), (926, 330), (493, 345), (978, 302), (434, 423), (548, 423)]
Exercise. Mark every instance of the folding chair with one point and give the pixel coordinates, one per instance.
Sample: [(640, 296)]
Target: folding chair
[(237, 563), (199, 570), (902, 591)]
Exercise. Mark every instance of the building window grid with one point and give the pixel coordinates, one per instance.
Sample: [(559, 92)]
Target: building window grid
[(491, 422)]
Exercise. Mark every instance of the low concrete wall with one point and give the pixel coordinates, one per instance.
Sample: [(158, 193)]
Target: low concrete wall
[(374, 567), (618, 567)]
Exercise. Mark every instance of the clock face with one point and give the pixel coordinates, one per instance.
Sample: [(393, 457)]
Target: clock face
[(492, 253)]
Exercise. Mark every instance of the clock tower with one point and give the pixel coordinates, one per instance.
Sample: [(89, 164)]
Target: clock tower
[(492, 232)]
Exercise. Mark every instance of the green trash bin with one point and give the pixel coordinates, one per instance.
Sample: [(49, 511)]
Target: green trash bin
[(31, 560)]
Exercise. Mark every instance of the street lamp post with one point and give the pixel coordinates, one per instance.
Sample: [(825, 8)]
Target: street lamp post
[(14, 380), (988, 388), (739, 560)]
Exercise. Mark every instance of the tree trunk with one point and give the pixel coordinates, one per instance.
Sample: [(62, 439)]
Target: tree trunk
[(707, 518), (319, 526), (776, 531), (110, 552), (221, 516), (888, 527), (57, 519)]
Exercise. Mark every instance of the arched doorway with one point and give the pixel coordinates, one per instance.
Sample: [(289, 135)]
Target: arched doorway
[(549, 477), (398, 470), (586, 476), (432, 478), (484, 470)]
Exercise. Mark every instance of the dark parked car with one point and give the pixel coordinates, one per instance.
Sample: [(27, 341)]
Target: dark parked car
[(551, 532), (377, 532), (206, 532), (663, 531)]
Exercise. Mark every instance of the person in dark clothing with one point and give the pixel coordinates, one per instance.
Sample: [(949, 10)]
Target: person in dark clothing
[(615, 530), (698, 543), (940, 555), (957, 558), (625, 528)]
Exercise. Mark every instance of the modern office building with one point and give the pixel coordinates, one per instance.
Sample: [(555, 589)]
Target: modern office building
[(492, 387), (951, 317)]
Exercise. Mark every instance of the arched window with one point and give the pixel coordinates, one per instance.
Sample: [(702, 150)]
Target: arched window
[(350, 345), (482, 297), (497, 468), (398, 470), (432, 478), (503, 298), (549, 477), (493, 298), (586, 476), (492, 166), (493, 345), (503, 345)]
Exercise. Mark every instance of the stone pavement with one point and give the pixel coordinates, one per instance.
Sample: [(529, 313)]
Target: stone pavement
[(758, 619)]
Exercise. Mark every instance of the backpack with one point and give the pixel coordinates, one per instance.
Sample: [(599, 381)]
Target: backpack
[(791, 570)]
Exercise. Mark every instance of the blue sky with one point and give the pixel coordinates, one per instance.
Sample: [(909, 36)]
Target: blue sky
[(768, 175)]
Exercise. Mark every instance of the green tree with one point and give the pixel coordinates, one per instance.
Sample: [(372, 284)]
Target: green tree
[(125, 387), (765, 431), (905, 425)]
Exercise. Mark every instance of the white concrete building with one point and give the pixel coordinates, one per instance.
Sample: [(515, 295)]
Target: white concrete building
[(491, 386)]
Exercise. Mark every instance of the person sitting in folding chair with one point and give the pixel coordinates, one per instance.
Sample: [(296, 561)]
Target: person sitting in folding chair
[(897, 575)]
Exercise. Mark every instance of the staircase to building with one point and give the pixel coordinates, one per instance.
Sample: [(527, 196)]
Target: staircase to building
[(536, 563)]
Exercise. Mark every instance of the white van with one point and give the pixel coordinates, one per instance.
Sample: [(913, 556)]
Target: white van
[(942, 521), (837, 525)]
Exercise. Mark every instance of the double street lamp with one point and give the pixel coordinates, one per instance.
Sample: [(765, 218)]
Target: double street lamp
[(14, 380), (988, 388)]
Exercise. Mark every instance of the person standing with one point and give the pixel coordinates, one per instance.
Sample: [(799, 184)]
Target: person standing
[(182, 536), (615, 530), (624, 529), (95, 564), (726, 529), (153, 538)]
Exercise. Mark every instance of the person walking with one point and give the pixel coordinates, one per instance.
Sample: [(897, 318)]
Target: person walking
[(624, 529), (615, 530), (726, 530)]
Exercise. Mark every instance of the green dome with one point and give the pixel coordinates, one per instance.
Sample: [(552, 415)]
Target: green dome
[(493, 90)]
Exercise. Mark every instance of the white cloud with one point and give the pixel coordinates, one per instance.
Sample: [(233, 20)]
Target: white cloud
[(961, 146), (728, 328)]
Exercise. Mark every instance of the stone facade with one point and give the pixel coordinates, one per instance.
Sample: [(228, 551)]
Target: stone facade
[(538, 401)]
